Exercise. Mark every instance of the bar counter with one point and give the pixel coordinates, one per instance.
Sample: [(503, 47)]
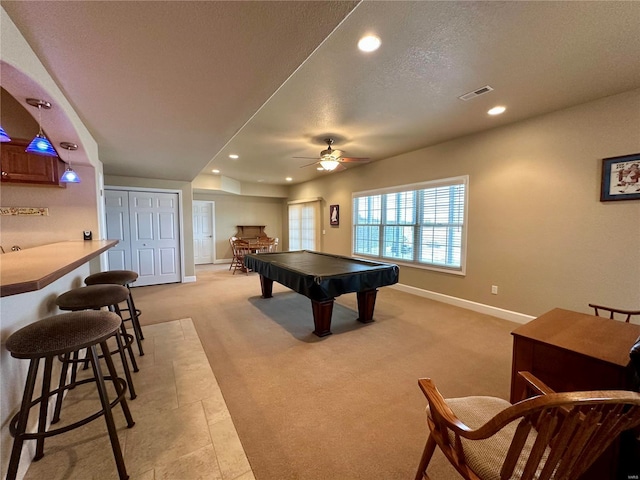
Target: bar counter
[(30, 281), (34, 268)]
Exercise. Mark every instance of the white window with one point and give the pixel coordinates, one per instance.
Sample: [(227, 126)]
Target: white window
[(421, 225), (304, 225)]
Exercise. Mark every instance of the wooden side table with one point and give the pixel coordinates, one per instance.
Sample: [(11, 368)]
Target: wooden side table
[(572, 351)]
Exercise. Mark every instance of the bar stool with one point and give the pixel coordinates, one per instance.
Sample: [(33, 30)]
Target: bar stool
[(124, 278), (61, 335), (95, 297)]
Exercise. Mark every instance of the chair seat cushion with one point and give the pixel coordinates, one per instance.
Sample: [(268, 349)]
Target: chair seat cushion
[(485, 457)]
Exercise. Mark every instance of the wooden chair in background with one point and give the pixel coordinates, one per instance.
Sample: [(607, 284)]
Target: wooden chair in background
[(549, 436), (240, 249), (267, 245), (612, 311), (232, 240)]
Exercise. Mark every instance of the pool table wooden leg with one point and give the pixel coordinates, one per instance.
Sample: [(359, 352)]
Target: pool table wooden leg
[(322, 317), (366, 304), (267, 287)]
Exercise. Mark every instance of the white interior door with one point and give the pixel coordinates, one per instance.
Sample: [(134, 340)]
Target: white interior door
[(203, 232), (117, 228), (155, 249)]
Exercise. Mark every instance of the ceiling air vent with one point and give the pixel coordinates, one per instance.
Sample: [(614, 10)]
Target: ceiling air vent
[(475, 93)]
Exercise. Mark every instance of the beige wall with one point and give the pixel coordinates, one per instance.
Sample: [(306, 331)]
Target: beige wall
[(187, 207), (233, 210), (536, 226), (71, 210), (15, 120)]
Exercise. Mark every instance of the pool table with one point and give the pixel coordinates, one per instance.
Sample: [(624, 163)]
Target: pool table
[(321, 277)]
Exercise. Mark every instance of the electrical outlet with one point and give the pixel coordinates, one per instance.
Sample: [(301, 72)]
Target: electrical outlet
[(494, 289)]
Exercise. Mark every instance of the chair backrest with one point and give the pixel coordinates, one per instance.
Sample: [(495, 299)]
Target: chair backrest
[(241, 248), (627, 314), (558, 435), (634, 356)]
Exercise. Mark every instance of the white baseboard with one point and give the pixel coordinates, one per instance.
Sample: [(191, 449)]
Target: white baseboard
[(189, 279), (468, 304), (223, 260)]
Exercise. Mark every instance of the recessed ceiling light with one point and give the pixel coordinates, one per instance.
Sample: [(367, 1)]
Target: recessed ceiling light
[(370, 43), (288, 179), (320, 169), (497, 110), (234, 156), (215, 170)]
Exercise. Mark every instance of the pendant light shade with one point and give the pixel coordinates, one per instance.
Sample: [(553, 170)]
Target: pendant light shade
[(40, 145), (69, 176), (3, 136)]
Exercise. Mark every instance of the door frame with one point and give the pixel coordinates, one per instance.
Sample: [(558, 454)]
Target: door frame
[(180, 216), (213, 227)]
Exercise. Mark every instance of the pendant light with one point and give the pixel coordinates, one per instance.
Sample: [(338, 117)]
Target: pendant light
[(69, 176), (3, 136), (40, 145)]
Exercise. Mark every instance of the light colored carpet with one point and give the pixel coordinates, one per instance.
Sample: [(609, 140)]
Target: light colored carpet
[(346, 406)]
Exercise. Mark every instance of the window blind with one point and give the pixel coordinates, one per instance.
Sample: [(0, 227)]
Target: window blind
[(421, 224)]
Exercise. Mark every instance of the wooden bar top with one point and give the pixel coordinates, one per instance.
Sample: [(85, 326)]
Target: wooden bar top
[(34, 268), (597, 337)]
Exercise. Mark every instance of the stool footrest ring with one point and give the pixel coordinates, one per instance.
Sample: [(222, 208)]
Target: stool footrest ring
[(79, 423)]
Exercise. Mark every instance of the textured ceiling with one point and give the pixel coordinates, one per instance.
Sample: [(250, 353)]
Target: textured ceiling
[(172, 88)]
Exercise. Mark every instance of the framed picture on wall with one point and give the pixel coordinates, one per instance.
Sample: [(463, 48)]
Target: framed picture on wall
[(621, 178), (334, 214)]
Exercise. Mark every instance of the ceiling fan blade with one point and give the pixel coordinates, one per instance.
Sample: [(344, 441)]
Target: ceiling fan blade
[(308, 164), (355, 159)]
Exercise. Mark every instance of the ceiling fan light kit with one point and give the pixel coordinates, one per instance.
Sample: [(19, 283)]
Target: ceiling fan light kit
[(331, 159), (329, 164)]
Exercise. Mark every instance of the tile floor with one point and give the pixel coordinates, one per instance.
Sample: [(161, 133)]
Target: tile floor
[(182, 429)]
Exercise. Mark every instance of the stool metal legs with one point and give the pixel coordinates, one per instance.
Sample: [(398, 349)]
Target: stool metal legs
[(18, 425), (106, 406), (44, 407), (137, 313), (23, 418)]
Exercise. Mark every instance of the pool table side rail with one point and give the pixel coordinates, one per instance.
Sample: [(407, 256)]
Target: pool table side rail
[(322, 288)]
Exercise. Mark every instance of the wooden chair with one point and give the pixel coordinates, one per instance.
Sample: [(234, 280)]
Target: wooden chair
[(549, 436), (628, 313), (234, 260), (240, 249), (266, 245)]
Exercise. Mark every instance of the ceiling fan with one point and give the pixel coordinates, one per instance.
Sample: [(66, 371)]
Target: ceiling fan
[(331, 159)]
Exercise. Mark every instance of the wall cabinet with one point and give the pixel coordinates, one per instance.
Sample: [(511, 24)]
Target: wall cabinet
[(19, 166)]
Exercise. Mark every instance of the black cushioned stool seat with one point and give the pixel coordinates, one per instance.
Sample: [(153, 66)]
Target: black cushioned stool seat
[(61, 335), (95, 297), (124, 278)]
